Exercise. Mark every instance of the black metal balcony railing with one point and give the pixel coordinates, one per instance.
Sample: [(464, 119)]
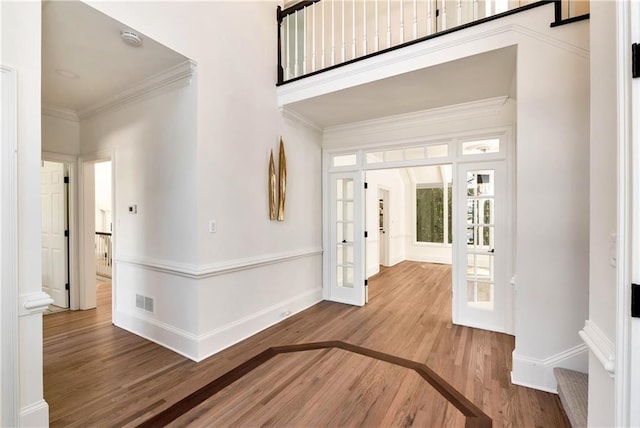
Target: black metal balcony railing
[(317, 35), (103, 254)]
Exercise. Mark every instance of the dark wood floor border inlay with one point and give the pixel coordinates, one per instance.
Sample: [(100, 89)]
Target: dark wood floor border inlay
[(474, 416)]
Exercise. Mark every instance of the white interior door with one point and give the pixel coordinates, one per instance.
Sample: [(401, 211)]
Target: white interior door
[(480, 288), (54, 244), (346, 252)]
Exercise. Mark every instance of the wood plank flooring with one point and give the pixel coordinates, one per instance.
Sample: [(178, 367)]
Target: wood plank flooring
[(96, 374)]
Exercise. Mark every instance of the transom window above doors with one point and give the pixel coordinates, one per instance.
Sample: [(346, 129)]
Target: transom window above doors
[(490, 146)]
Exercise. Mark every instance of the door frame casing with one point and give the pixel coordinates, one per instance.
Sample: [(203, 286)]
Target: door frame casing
[(9, 368), (86, 220), (454, 139), (627, 375)]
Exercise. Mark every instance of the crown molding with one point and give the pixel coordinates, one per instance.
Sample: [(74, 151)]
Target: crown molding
[(60, 113), (171, 78), (287, 113), (436, 115)]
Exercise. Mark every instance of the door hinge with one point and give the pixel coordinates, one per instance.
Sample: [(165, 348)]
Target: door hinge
[(366, 185), (366, 282), (366, 234), (66, 286), (635, 300), (66, 180), (66, 233), (635, 60)]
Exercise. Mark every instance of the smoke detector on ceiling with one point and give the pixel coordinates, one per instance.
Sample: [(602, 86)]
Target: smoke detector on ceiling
[(131, 38)]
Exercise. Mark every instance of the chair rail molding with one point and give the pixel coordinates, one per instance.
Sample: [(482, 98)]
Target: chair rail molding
[(34, 303), (600, 345), (204, 271)]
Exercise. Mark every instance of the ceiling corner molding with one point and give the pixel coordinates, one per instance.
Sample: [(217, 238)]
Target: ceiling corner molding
[(172, 78), (462, 111), (551, 40), (60, 113), (600, 345), (287, 113)]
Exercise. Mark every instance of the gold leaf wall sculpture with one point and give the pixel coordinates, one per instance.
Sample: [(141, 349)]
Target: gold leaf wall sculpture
[(273, 182), (282, 188)]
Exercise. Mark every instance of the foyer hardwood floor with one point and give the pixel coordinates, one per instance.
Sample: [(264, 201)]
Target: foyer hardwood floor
[(96, 374)]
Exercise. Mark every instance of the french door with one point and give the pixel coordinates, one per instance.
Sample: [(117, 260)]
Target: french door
[(481, 280), (346, 242)]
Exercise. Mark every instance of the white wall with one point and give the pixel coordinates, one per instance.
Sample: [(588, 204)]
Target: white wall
[(213, 289), (60, 136), (552, 257), (603, 193), (392, 181), (21, 41)]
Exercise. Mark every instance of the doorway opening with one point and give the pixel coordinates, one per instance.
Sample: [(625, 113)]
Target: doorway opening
[(103, 224), (408, 214), (455, 203)]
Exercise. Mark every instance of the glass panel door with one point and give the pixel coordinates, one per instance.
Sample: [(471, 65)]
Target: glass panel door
[(347, 236), (481, 280)]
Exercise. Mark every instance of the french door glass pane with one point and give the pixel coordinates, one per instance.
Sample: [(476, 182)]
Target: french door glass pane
[(344, 232), (480, 238)]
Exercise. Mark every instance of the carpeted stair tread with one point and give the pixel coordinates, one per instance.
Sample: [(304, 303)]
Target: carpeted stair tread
[(573, 389)]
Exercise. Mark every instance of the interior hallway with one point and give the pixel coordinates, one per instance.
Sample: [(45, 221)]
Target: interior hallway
[(97, 374)]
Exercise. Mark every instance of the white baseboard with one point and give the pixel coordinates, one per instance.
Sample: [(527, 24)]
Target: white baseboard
[(35, 415), (538, 374), (198, 347), (215, 341), (176, 339)]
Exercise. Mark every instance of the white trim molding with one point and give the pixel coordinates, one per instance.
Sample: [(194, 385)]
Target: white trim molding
[(538, 373), (214, 269), (455, 112), (34, 303), (197, 347), (289, 114), (35, 414), (60, 113), (600, 345), (222, 337), (9, 385), (172, 78)]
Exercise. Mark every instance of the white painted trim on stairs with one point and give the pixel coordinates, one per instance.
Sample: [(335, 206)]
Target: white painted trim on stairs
[(171, 78), (600, 345), (205, 271), (538, 374)]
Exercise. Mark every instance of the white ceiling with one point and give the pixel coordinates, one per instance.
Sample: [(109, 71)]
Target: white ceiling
[(79, 39), (473, 78)]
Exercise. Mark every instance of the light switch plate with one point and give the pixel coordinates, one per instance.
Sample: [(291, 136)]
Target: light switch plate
[(213, 226)]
